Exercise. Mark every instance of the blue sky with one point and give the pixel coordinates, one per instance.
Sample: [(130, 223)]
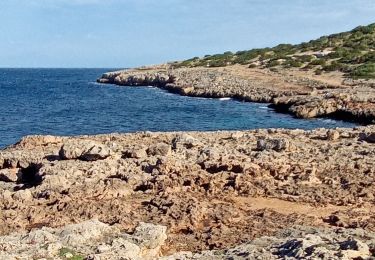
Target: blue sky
[(125, 33)]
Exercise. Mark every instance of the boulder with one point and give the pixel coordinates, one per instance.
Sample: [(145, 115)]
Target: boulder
[(9, 175), (185, 140), (368, 137), (277, 144), (84, 150), (135, 153), (333, 135), (160, 149), (354, 249), (76, 235)]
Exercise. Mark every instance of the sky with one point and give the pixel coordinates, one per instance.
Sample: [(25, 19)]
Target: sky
[(128, 33)]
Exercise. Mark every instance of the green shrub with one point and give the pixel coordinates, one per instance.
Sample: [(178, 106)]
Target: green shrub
[(316, 62), (335, 66), (305, 58), (273, 63), (293, 63), (217, 63), (67, 251), (366, 71), (350, 49)]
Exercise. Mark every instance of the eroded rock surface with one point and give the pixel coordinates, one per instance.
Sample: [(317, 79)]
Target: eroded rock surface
[(210, 190), (87, 240)]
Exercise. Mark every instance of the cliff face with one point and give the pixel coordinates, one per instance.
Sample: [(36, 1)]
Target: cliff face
[(208, 190), (305, 97)]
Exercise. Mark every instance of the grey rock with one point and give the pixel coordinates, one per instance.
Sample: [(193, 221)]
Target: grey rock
[(160, 149), (84, 150), (368, 137), (185, 140), (278, 144)]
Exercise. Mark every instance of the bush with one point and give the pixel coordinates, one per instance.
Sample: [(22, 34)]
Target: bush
[(335, 66), (366, 71), (316, 62), (217, 63), (273, 63), (305, 58), (293, 63)]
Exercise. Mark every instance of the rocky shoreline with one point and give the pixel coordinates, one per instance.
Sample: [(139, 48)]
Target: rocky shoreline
[(301, 96), (272, 193), (258, 194)]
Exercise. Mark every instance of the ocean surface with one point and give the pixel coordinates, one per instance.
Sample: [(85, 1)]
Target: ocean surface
[(70, 102)]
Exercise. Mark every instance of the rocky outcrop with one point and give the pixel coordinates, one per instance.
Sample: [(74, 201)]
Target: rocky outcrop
[(87, 240), (297, 243), (303, 98), (212, 190), (95, 240), (83, 150)]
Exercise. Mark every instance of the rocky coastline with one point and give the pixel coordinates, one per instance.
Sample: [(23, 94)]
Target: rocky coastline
[(286, 92), (268, 193), (257, 194)]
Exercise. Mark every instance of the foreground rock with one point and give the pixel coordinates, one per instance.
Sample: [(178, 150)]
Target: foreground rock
[(287, 92), (297, 243), (95, 240), (83, 150), (91, 239), (211, 190)]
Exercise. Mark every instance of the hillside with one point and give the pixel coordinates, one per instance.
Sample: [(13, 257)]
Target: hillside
[(352, 53)]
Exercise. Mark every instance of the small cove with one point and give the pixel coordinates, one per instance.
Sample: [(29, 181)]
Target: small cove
[(69, 102)]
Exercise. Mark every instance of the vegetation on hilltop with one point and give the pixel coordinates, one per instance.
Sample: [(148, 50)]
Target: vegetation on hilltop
[(350, 52)]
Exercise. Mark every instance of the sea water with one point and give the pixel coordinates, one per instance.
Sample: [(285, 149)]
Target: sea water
[(70, 102)]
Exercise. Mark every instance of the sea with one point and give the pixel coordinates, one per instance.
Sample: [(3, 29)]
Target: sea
[(70, 102)]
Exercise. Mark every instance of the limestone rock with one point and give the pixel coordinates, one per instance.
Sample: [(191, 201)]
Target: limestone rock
[(137, 153), (9, 175), (333, 135), (84, 150), (150, 236), (278, 144), (185, 140), (160, 149), (87, 240)]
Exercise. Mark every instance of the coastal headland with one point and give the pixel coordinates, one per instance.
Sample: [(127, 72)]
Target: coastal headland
[(302, 94)]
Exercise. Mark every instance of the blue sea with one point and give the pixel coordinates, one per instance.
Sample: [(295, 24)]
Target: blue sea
[(70, 102)]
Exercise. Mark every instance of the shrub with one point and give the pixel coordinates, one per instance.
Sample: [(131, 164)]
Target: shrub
[(366, 71), (293, 63), (316, 62), (273, 63), (217, 63), (305, 58)]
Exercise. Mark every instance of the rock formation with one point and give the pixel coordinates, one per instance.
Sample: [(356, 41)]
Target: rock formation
[(303, 97), (201, 190)]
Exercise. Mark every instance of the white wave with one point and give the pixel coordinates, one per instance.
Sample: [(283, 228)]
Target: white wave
[(225, 98), (328, 121), (96, 83)]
